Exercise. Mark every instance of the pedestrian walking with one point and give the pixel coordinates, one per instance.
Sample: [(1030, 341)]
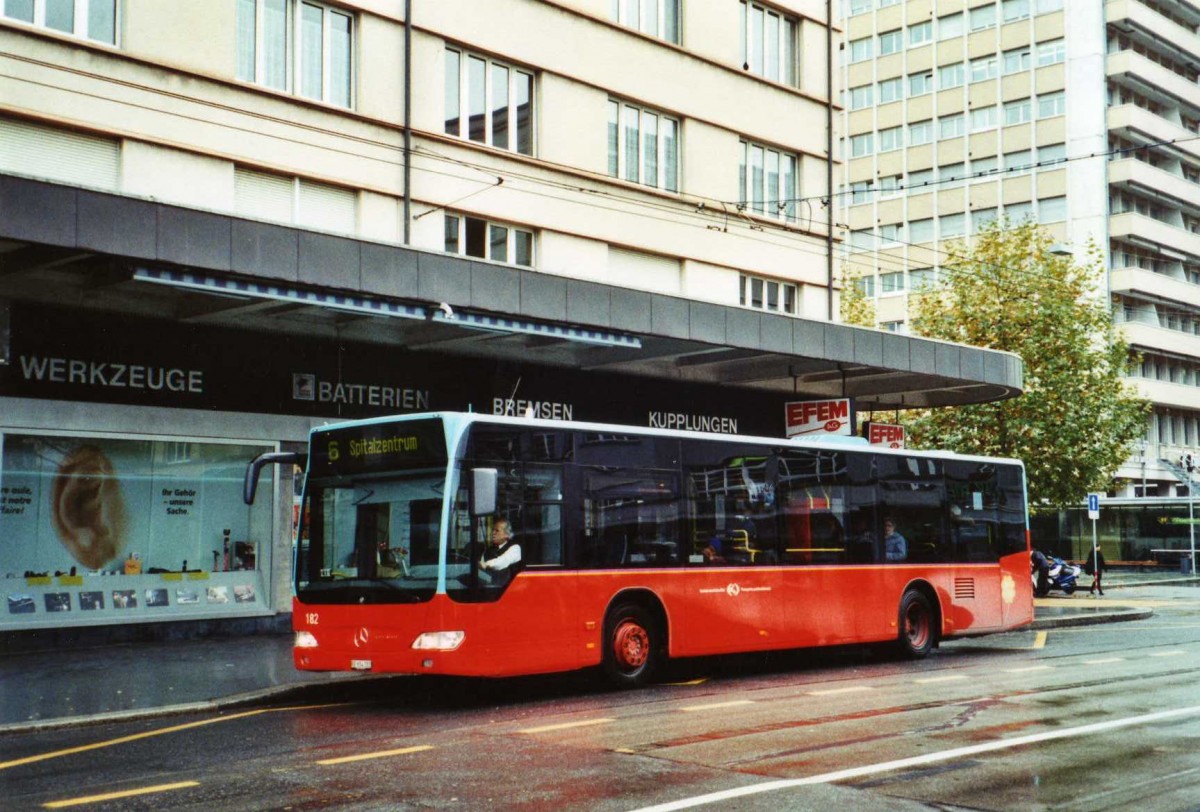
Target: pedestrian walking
[(1094, 566), (1189, 463)]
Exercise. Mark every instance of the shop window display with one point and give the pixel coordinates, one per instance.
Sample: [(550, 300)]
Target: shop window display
[(99, 529)]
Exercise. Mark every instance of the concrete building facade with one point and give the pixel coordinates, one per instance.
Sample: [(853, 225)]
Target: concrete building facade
[(1081, 115)]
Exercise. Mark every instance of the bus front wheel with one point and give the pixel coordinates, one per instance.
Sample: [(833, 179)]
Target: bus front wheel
[(917, 630), (631, 646)]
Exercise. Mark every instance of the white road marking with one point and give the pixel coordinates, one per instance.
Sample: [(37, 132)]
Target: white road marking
[(1104, 661), (851, 690), (928, 758), (566, 725), (948, 678), (694, 708), (1175, 653), (1028, 669)]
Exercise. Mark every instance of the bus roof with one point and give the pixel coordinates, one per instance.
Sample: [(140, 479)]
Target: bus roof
[(825, 443)]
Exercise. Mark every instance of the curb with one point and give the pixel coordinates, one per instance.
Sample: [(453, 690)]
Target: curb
[(1089, 619)]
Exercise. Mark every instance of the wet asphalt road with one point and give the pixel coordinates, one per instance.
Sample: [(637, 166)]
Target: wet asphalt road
[(1095, 717)]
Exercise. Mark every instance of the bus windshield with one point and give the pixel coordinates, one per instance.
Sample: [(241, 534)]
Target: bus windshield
[(371, 539)]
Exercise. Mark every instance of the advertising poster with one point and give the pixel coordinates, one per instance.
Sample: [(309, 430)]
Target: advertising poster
[(87, 505)]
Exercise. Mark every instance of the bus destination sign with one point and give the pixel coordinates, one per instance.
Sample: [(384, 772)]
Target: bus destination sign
[(378, 447)]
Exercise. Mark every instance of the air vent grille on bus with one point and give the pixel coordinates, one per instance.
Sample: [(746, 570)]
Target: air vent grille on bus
[(964, 588)]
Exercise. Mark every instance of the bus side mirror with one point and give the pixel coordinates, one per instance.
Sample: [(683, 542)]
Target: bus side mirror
[(250, 485), (483, 491)]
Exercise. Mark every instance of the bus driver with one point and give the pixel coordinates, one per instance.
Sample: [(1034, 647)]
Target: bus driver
[(502, 555)]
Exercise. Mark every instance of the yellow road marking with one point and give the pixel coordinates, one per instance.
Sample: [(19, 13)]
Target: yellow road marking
[(70, 751), (111, 796), (566, 725), (713, 706), (850, 690), (1040, 640), (379, 754), (699, 681), (950, 678)]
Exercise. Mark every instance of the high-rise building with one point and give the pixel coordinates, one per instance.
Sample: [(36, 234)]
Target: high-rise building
[(1082, 115)]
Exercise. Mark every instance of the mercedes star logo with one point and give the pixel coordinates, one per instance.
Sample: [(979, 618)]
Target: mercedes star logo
[(361, 637)]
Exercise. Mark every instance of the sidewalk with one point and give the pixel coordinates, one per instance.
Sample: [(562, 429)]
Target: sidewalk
[(140, 680)]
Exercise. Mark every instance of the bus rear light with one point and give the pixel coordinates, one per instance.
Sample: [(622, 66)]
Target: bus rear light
[(305, 640), (439, 641)]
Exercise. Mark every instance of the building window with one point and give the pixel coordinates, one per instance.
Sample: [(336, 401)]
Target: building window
[(891, 138), (767, 294), (296, 47), (891, 282), (920, 33), (982, 167), (1051, 154), (1052, 210), (921, 279), (863, 144), (489, 102), (862, 239), (861, 50), (1047, 6), (891, 90), (1018, 212), (862, 96), (982, 218), (860, 192), (865, 286), (921, 230), (952, 76), (983, 68), (951, 176), (860, 7), (891, 42), (655, 18), (983, 118), (88, 19), (1052, 104), (919, 180), (769, 181), (952, 126), (299, 201), (890, 233), (1051, 53), (1015, 10), (643, 146), (983, 17), (893, 326), (1019, 161), (1018, 111), (769, 43), (1017, 60), (950, 26), (476, 237), (920, 83), (920, 132), (890, 185), (952, 225)]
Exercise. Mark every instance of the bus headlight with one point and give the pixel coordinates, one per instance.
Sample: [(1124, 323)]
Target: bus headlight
[(439, 641), (305, 640)]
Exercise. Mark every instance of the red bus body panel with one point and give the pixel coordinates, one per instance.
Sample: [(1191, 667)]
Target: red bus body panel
[(554, 621)]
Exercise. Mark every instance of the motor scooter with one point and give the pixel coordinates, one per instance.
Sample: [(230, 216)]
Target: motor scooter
[(1058, 574)]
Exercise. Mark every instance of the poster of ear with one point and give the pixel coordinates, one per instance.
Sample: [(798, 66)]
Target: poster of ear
[(75, 508)]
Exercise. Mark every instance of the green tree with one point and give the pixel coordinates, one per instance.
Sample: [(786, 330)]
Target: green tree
[(1077, 419), (854, 305)]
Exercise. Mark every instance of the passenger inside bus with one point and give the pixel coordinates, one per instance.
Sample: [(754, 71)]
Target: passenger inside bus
[(895, 546)]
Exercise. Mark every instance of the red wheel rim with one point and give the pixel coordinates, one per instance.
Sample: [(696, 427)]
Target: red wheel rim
[(916, 626), (631, 645)]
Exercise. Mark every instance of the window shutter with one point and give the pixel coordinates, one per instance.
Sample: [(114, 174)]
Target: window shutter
[(61, 155), (263, 196), (328, 208), (641, 271)]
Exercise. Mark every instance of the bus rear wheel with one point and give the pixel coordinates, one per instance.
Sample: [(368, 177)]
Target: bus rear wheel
[(917, 630), (631, 646)]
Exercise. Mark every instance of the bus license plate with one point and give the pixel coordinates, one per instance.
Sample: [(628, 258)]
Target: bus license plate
[(360, 665)]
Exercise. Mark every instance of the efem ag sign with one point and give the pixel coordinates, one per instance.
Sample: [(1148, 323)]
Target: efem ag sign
[(808, 418), (885, 434)]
